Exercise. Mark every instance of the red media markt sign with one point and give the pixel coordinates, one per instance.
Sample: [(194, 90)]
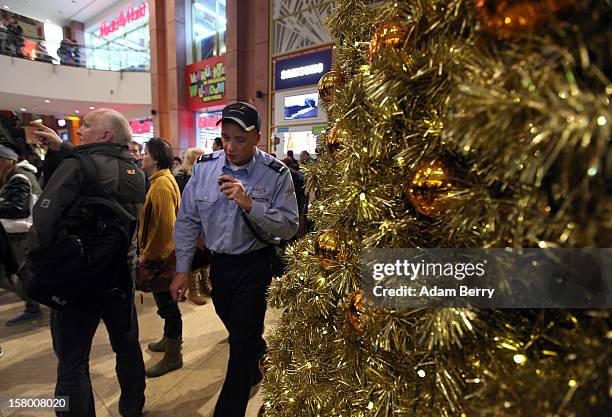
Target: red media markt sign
[(129, 15), (206, 83)]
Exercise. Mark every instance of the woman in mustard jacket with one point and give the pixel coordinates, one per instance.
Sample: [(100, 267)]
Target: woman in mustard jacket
[(155, 237)]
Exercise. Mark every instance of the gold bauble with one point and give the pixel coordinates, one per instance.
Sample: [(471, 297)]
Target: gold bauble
[(329, 250), (509, 18), (429, 187), (390, 34), (355, 311), (334, 139), (263, 364), (328, 84)]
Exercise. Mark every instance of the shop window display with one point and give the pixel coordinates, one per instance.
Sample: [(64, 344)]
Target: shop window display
[(208, 26), (207, 129)]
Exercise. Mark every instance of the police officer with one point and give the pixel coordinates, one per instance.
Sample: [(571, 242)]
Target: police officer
[(229, 188)]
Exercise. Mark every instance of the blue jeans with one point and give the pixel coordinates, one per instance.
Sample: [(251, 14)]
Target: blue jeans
[(72, 337)]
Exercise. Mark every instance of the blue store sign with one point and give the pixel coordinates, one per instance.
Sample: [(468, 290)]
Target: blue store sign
[(302, 70)]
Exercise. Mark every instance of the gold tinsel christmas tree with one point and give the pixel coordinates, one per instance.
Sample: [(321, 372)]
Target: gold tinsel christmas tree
[(453, 123)]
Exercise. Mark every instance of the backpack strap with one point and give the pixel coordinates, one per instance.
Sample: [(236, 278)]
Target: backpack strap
[(145, 227), (91, 184), (276, 242)]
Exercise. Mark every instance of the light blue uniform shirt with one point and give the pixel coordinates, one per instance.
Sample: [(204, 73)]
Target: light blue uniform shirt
[(205, 208)]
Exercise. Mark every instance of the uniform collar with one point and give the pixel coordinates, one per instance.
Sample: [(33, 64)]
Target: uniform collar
[(248, 168)]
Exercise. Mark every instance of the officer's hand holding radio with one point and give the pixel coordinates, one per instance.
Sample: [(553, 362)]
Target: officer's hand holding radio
[(234, 190)]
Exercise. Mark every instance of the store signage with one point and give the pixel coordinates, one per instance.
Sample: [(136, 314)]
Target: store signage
[(206, 83), (302, 70), (127, 16), (140, 127), (208, 120)]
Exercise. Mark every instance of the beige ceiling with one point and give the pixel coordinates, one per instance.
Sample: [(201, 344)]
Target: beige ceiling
[(63, 108)]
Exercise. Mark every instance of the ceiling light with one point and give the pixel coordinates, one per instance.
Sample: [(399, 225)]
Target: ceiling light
[(22, 109), (47, 101), (6, 7), (47, 20), (92, 108), (77, 112)]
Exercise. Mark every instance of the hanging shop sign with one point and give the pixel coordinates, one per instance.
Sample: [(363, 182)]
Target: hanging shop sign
[(305, 69), (318, 129), (133, 13), (206, 83)]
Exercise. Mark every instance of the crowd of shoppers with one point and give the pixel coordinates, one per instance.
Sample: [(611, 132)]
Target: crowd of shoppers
[(13, 41), (218, 214)]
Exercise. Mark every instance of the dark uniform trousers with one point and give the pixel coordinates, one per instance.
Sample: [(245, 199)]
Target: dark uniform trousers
[(239, 289), (72, 337)]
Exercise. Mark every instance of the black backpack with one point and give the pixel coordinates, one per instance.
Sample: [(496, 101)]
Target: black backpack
[(87, 262)]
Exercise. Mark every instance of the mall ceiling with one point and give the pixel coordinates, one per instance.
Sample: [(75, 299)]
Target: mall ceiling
[(59, 12), (62, 108)]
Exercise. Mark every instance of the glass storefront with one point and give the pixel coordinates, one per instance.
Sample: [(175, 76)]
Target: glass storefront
[(120, 41), (207, 129), (296, 139), (208, 28), (206, 72)]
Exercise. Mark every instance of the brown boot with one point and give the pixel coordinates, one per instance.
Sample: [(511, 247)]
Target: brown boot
[(172, 360), (195, 294), (159, 346)]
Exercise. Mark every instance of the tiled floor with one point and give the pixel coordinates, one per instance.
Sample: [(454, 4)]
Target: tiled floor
[(28, 365)]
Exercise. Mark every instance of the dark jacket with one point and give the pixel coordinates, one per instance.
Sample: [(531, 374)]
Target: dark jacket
[(300, 188), (182, 178), (15, 195), (15, 204), (53, 159), (118, 176)]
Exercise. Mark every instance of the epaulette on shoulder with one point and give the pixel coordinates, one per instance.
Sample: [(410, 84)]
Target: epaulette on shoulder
[(207, 157), (277, 166)]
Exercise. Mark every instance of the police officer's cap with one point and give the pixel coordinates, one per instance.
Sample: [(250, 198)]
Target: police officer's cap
[(244, 114)]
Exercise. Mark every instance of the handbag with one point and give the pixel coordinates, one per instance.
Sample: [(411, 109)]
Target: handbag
[(154, 276)]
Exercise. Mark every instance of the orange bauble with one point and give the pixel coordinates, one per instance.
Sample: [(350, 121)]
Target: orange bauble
[(328, 84), (355, 311), (430, 186), (509, 18), (330, 249), (334, 139), (390, 34)]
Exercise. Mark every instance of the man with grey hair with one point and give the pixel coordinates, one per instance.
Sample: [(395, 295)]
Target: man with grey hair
[(105, 135)]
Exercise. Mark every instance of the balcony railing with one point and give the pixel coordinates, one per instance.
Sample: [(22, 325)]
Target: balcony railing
[(113, 57)]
